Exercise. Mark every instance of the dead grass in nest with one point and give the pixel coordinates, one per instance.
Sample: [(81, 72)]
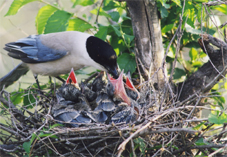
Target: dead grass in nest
[(162, 130)]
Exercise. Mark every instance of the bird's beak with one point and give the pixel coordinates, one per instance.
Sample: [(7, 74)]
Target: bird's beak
[(130, 86), (119, 89), (72, 79), (114, 72)]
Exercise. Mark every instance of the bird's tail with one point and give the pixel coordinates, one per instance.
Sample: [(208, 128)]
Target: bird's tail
[(13, 75)]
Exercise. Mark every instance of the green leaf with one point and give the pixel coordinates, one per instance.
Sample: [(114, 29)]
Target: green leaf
[(141, 144), (58, 22), (33, 137), (201, 1), (225, 85), (200, 125), (189, 13), (171, 52), (167, 28), (222, 8), (197, 64), (192, 44), (208, 30), (47, 134), (127, 62), (164, 12), (202, 55), (101, 12), (84, 2), (167, 6), (217, 96), (28, 100), (42, 17), (118, 33), (178, 73), (215, 88), (177, 2), (77, 24), (200, 15), (16, 5), (17, 97), (218, 119), (118, 44), (114, 16), (109, 4), (126, 26), (128, 38), (192, 30), (55, 125), (102, 33), (196, 31), (26, 146), (200, 142), (193, 54), (220, 100)]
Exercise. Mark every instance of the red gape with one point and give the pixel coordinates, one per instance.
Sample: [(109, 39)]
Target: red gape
[(129, 84), (72, 78), (119, 89)]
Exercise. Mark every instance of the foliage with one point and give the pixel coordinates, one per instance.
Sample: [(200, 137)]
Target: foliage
[(195, 15), (118, 32)]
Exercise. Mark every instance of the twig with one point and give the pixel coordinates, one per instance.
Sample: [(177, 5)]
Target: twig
[(133, 148), (121, 148), (213, 3), (90, 77), (10, 131), (188, 130), (198, 101), (220, 149), (200, 147), (179, 36), (96, 20), (222, 25), (18, 28)]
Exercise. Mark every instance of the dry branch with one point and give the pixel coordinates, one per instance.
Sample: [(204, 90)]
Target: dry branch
[(211, 72)]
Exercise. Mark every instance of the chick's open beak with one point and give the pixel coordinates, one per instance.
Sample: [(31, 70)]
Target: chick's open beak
[(119, 89), (131, 87), (72, 79)]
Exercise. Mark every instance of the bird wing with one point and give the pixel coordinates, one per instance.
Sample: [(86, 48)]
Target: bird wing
[(32, 50)]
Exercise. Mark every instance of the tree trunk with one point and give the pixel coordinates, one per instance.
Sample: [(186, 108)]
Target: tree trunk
[(150, 52), (149, 49)]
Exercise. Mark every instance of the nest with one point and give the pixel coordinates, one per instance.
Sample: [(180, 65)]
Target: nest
[(165, 128)]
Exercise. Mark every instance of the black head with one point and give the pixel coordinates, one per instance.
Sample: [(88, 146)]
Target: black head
[(103, 54)]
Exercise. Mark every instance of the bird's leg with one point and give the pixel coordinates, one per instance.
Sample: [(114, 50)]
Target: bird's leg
[(37, 81), (50, 79), (52, 85)]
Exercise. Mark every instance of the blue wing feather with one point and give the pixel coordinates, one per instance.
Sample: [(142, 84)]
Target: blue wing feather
[(31, 50)]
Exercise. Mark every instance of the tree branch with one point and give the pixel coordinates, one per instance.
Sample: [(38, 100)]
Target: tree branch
[(211, 72)]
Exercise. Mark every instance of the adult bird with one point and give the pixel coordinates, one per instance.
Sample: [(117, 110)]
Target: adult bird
[(56, 53)]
